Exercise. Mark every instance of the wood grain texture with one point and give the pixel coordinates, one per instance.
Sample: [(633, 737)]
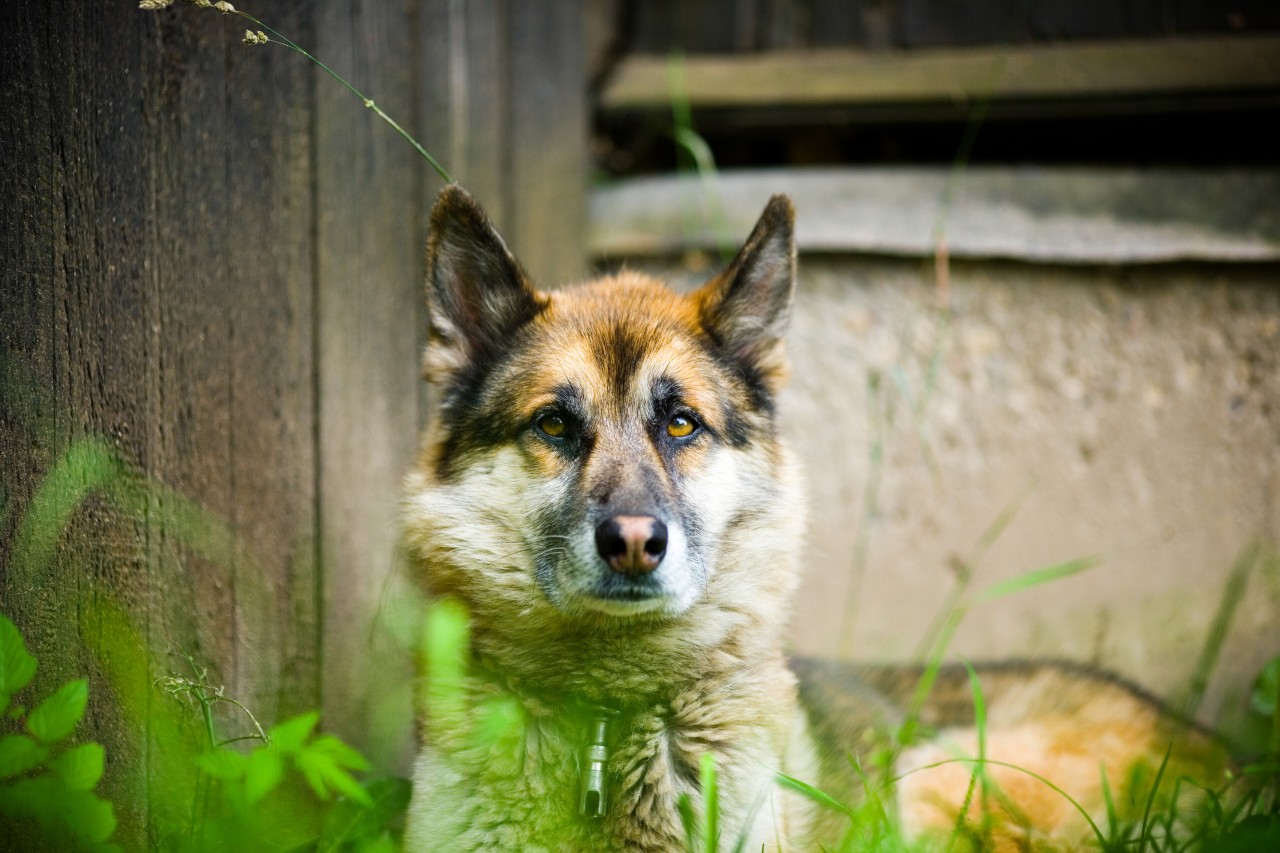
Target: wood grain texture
[(548, 137), (212, 267), (504, 93), (157, 297), (369, 324)]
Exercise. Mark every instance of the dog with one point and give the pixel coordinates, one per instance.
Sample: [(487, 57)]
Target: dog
[(604, 489)]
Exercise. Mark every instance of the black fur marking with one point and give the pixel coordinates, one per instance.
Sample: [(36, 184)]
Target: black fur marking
[(620, 352), (552, 525), (472, 417), (477, 293), (740, 428)]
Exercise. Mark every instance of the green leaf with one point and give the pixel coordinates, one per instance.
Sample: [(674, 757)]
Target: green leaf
[(16, 665), (1266, 690), (80, 767), (322, 763), (35, 796), (349, 822), (342, 755), (292, 733), (225, 764), (56, 717), (18, 754), (263, 773), (88, 816), (446, 633)]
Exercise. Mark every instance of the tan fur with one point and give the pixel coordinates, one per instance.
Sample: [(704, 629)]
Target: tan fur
[(499, 515)]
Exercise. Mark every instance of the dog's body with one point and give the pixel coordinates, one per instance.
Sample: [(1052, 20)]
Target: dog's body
[(605, 491)]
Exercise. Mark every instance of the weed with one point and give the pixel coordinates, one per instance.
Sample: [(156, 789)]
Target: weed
[(46, 785)]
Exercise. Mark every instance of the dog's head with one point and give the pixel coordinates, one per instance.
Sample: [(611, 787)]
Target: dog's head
[(605, 452)]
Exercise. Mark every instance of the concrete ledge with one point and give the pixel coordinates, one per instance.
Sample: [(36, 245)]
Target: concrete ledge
[(1056, 215)]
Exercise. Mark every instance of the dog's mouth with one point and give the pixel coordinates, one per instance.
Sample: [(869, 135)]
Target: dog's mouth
[(627, 596), (599, 574), (572, 587)]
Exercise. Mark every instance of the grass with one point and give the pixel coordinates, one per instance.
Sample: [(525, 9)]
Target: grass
[(288, 785)]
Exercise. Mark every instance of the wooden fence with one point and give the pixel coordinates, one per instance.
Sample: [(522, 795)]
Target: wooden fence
[(212, 270)]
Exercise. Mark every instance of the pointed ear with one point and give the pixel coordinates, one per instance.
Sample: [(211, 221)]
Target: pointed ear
[(477, 294), (746, 308)]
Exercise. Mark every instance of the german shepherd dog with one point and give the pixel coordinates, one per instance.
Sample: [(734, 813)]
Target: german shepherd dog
[(605, 491)]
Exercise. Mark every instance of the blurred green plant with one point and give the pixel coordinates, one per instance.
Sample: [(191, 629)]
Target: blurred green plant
[(295, 788), (45, 783)]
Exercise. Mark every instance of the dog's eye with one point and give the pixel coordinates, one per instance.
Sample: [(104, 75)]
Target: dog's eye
[(681, 426), (553, 425)]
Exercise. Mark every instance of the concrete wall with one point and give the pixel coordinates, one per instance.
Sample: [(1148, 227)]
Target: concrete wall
[(1127, 414), (1124, 412)]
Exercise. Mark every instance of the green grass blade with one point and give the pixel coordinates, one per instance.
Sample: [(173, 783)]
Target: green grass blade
[(1232, 595), (1151, 799), (689, 821), (710, 805), (1037, 577), (1109, 803), (86, 466), (814, 794)]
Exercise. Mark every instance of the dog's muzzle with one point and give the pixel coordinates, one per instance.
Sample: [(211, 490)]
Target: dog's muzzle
[(632, 545)]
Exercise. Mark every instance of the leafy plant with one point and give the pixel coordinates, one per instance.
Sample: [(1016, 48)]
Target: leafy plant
[(44, 781)]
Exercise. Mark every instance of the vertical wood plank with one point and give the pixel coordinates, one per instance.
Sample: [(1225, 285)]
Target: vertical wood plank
[(271, 366), (368, 255), (157, 297), (503, 92), (100, 306), (548, 137)]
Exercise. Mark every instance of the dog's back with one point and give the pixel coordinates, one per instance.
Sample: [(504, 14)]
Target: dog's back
[(1030, 766)]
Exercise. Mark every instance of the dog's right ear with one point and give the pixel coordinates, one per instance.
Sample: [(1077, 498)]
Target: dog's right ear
[(477, 294)]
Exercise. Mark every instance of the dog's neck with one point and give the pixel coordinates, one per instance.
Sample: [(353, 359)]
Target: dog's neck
[(631, 665)]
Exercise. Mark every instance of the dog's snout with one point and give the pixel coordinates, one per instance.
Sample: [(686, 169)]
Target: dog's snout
[(632, 544)]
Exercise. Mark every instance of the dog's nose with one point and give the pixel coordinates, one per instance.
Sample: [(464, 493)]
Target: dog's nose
[(632, 544)]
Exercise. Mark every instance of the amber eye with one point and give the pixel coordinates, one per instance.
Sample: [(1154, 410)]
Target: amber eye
[(681, 426), (553, 425)]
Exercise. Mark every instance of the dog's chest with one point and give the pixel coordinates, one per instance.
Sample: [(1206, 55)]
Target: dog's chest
[(524, 790)]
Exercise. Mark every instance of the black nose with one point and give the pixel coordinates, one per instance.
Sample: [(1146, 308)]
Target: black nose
[(632, 544)]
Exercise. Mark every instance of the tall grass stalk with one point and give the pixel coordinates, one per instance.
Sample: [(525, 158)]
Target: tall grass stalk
[(691, 144), (1232, 595), (267, 35)]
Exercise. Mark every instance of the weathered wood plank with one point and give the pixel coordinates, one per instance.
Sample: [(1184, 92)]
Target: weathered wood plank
[(548, 136), (369, 324), (1102, 69), (503, 92), (269, 302), (156, 297), (99, 303), (464, 97)]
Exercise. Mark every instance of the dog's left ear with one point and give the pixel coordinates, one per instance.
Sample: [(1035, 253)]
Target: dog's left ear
[(746, 308), (477, 294)]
